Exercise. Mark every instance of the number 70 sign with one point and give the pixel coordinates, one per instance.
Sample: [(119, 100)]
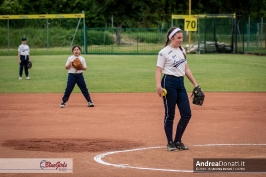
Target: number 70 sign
[(190, 24)]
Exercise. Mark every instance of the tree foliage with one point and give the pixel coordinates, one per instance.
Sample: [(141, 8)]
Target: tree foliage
[(133, 13)]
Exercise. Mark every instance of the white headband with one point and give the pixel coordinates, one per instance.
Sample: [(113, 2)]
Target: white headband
[(173, 32)]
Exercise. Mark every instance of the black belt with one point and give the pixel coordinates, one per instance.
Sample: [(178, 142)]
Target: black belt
[(74, 73), (173, 75)]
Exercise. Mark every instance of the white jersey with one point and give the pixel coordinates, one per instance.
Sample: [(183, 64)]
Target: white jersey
[(72, 69), (172, 61), (24, 49)]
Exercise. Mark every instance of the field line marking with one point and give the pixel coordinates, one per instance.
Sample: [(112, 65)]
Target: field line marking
[(98, 158)]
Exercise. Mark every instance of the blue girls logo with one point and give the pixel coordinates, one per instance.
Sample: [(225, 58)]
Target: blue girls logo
[(177, 63), (44, 164)]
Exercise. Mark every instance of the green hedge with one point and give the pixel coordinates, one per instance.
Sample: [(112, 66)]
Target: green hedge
[(57, 37), (99, 37)]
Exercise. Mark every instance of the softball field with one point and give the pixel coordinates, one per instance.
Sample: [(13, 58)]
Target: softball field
[(123, 134)]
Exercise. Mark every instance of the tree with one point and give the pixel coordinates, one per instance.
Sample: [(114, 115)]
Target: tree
[(133, 13), (122, 11), (11, 7)]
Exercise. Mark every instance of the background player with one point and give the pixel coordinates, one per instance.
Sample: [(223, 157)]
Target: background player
[(23, 58), (173, 64), (76, 77)]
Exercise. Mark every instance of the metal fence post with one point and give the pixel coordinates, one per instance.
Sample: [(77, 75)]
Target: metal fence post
[(85, 36), (260, 36), (8, 36), (138, 41), (47, 38), (235, 36), (248, 34)]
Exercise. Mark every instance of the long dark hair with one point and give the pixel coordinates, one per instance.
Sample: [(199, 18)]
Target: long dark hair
[(169, 32)]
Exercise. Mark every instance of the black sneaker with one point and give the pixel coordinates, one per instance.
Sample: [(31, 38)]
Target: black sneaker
[(62, 105), (171, 146), (181, 146), (90, 104)]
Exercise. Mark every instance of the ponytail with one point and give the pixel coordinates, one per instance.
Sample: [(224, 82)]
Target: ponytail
[(166, 43)]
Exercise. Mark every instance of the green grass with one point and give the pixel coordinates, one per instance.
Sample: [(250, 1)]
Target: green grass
[(37, 51), (135, 73)]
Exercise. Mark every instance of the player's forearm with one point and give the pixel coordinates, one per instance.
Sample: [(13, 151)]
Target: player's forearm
[(19, 56), (84, 68), (158, 76), (68, 66), (190, 77)]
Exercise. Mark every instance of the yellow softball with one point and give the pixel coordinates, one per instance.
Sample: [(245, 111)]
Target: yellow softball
[(164, 92)]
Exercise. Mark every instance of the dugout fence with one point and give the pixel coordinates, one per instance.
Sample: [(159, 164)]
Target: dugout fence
[(215, 33), (255, 36)]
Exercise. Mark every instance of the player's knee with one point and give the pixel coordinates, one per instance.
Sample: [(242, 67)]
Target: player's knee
[(186, 116)]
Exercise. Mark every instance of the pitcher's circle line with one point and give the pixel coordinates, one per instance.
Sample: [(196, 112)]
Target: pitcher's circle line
[(99, 157)]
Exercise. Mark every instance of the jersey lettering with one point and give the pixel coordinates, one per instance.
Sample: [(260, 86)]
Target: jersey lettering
[(177, 63)]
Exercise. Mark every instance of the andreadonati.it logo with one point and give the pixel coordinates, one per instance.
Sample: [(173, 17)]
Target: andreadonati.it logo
[(220, 163)]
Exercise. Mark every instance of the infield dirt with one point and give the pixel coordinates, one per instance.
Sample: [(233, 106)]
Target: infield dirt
[(33, 126)]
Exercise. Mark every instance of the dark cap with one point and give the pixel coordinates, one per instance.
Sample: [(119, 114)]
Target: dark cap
[(23, 39)]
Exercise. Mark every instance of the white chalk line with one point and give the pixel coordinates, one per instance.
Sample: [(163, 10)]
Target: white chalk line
[(99, 157)]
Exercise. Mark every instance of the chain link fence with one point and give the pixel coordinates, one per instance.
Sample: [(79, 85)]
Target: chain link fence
[(55, 36), (254, 40), (125, 40), (44, 36)]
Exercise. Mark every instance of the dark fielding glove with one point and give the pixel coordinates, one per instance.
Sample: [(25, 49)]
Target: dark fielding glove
[(29, 65), (198, 96)]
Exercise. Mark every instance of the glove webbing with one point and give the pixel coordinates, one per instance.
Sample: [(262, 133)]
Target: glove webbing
[(196, 88)]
